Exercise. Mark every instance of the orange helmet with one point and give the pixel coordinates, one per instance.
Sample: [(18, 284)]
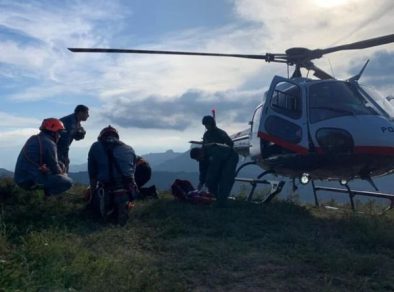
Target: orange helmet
[(52, 125), (108, 131)]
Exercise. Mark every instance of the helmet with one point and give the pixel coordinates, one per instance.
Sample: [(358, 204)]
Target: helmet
[(208, 120), (108, 131), (52, 125)]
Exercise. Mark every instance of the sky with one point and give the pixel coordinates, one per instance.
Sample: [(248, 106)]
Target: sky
[(157, 102)]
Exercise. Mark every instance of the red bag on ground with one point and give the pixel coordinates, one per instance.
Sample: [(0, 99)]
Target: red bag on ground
[(185, 191)]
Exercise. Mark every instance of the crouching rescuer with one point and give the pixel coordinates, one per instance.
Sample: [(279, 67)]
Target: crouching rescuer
[(111, 174), (38, 166), (217, 165)]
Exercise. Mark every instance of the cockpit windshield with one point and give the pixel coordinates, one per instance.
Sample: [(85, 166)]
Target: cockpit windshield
[(338, 98)]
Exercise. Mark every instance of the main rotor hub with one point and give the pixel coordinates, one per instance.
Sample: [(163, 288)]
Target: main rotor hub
[(298, 55)]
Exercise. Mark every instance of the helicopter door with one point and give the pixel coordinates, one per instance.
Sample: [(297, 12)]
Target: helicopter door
[(283, 126), (254, 149)]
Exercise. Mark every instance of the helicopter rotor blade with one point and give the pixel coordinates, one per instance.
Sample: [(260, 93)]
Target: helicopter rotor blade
[(298, 56), (360, 45), (267, 57)]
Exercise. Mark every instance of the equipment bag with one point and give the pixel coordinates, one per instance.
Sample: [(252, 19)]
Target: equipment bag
[(185, 191), (180, 188)]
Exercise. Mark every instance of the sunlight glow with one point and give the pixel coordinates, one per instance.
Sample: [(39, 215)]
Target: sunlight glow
[(330, 3)]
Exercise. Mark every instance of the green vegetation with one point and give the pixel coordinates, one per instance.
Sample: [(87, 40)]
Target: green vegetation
[(53, 245)]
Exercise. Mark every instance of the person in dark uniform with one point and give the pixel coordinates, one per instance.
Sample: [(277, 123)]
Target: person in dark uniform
[(37, 164), (213, 134), (217, 165), (73, 131), (111, 165), (143, 173)]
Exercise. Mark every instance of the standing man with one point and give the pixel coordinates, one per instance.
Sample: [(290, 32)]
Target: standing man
[(111, 165), (73, 131), (213, 134), (37, 163), (217, 165)]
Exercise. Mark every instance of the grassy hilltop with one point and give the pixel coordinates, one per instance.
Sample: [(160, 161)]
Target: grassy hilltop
[(53, 245)]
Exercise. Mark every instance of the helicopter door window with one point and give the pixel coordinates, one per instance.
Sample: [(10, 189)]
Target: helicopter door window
[(283, 129), (286, 100)]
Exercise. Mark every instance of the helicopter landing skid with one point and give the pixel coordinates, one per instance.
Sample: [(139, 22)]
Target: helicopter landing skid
[(353, 193), (276, 187)]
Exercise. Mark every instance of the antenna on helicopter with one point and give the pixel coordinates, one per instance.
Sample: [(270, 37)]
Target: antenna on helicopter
[(357, 77), (213, 113)]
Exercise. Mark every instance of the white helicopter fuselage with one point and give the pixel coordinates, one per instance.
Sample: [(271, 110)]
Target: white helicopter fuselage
[(328, 129)]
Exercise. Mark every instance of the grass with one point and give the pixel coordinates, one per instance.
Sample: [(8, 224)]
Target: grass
[(53, 245)]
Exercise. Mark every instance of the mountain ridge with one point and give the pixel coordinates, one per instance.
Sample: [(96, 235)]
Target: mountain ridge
[(170, 165), (154, 159), (5, 173)]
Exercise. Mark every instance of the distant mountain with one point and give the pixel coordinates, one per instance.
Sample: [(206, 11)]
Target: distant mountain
[(161, 179), (78, 167), (180, 163), (154, 160), (171, 165), (5, 173)]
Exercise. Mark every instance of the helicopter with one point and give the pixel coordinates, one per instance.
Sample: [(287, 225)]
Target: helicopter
[(312, 129)]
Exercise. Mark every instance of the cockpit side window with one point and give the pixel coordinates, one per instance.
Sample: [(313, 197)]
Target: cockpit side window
[(286, 100)]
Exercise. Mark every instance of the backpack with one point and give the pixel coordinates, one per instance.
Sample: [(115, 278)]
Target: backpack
[(112, 201), (183, 190)]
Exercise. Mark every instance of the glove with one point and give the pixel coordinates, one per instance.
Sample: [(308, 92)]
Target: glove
[(79, 134), (62, 167), (134, 191), (200, 186)]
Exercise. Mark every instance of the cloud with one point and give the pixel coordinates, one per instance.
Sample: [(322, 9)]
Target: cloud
[(35, 36), (10, 121), (15, 130), (174, 92), (16, 137), (379, 71), (182, 112)]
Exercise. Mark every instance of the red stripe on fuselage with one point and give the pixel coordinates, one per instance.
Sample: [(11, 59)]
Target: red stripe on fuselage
[(374, 150), (290, 146), (377, 150)]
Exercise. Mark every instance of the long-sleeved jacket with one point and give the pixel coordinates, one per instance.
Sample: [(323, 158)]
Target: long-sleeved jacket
[(99, 164), (216, 159), (71, 126), (217, 135), (39, 149)]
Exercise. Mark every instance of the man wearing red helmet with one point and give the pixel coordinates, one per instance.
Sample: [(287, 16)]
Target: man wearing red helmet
[(37, 163), (111, 165)]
